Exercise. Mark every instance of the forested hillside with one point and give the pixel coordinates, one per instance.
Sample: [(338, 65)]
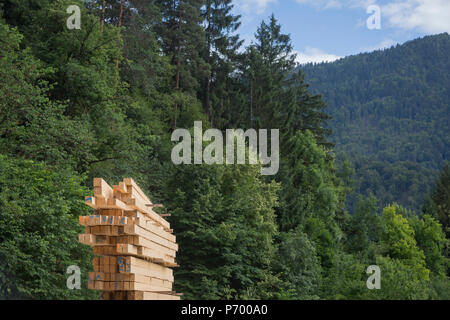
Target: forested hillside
[(103, 101), (391, 116)]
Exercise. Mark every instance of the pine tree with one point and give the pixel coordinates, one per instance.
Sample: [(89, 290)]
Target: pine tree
[(304, 111), (441, 199), (220, 54), (182, 38), (269, 62), (278, 95)]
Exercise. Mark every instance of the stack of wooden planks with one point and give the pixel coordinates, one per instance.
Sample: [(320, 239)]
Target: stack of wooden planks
[(134, 246)]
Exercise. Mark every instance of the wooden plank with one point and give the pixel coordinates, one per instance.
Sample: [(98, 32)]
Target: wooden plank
[(139, 295), (139, 231), (137, 204), (149, 245), (130, 182), (87, 239), (116, 204), (93, 240), (102, 189), (90, 201), (151, 205), (110, 212), (144, 236), (97, 220), (125, 286), (152, 247), (141, 252), (130, 277), (165, 274), (152, 227), (99, 202), (104, 230), (146, 247), (120, 188)]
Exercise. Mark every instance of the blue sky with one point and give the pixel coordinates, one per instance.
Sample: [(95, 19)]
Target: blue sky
[(325, 30)]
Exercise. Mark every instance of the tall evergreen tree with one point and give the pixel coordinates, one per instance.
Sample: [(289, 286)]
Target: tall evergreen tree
[(441, 199), (278, 95), (269, 62), (182, 38), (220, 54)]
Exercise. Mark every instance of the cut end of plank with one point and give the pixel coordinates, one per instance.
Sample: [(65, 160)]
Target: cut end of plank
[(151, 205)]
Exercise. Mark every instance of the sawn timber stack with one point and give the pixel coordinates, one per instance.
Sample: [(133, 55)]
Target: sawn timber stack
[(134, 246)]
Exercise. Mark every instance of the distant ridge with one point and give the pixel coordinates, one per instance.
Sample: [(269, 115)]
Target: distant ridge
[(391, 115)]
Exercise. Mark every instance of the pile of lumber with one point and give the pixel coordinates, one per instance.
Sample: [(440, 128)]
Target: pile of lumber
[(134, 246)]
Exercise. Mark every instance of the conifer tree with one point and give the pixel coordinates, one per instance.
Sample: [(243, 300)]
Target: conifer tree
[(182, 38), (278, 95), (269, 60), (441, 199), (220, 54)]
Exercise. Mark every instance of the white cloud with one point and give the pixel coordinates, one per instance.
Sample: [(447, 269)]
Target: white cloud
[(431, 16), (315, 55), (337, 4), (323, 4), (256, 6), (426, 15)]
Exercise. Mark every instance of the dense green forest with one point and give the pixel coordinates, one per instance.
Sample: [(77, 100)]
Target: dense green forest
[(390, 117), (103, 101)]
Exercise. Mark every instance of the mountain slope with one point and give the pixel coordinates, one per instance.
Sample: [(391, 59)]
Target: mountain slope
[(391, 115)]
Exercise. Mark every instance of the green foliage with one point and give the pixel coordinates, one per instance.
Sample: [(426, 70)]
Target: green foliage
[(39, 231), (390, 116), (431, 239), (276, 97), (345, 279), (182, 39), (299, 265), (364, 226), (221, 54), (228, 212), (399, 281), (440, 199), (307, 179), (397, 241), (269, 62), (31, 124), (102, 102)]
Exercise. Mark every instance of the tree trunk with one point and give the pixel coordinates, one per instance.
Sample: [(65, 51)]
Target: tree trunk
[(175, 109), (251, 102), (177, 84), (103, 15), (177, 77), (208, 60), (120, 14), (119, 24)]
